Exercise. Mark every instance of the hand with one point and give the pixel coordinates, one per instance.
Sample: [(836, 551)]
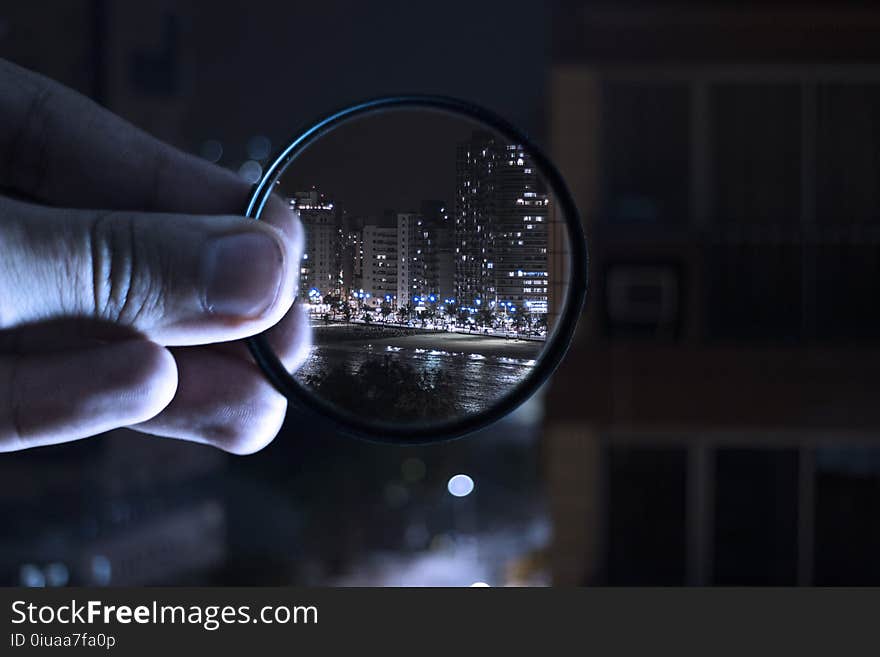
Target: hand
[(125, 277)]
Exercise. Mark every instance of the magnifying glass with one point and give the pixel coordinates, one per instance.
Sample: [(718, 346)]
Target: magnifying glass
[(444, 268)]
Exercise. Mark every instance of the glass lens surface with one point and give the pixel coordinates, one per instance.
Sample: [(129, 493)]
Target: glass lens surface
[(435, 268)]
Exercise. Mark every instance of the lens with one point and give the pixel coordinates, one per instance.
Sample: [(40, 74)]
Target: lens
[(437, 270)]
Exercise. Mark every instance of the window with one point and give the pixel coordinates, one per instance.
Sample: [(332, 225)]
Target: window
[(646, 516), (756, 158), (846, 532), (848, 141), (756, 511), (847, 286), (754, 291), (646, 152), (848, 199)]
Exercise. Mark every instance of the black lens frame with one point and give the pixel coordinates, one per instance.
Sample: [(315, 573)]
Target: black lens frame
[(412, 434)]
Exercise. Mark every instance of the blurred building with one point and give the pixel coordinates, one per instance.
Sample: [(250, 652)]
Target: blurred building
[(716, 421)]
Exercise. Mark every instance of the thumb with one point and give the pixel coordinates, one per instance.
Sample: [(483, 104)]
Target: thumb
[(178, 279)]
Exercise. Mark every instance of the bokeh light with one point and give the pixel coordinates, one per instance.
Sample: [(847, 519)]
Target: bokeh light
[(460, 485)]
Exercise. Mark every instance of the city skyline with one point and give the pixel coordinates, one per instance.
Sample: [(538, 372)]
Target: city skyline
[(489, 245)]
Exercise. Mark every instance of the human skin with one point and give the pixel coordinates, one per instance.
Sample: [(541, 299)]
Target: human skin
[(127, 282)]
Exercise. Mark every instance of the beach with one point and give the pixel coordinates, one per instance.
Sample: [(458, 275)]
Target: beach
[(483, 368), (465, 343)]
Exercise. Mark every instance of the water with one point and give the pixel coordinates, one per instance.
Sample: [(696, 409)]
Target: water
[(473, 371)]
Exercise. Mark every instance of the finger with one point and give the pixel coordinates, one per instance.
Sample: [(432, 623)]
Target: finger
[(222, 401), (290, 339), (178, 279), (68, 334), (65, 149), (53, 398), (62, 148)]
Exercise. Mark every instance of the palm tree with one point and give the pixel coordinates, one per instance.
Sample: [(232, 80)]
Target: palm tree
[(404, 312), (541, 323), (486, 316), (519, 320)]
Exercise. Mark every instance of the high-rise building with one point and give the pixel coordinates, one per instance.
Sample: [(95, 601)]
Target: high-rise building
[(409, 278), (352, 255), (321, 268), (439, 247), (425, 245), (501, 213), (380, 263)]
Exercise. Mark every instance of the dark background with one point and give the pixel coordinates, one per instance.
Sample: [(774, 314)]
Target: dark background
[(716, 420)]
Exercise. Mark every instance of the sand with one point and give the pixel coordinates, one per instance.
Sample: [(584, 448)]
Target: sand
[(419, 339)]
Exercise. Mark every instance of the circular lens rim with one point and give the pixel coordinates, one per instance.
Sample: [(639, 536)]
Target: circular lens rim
[(415, 434)]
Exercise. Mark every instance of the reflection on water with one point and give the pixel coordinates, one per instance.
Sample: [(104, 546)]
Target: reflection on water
[(417, 376)]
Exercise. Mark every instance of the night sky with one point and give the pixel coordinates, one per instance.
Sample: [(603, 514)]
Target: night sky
[(383, 161)]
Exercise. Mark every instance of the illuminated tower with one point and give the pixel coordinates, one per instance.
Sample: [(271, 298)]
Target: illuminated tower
[(321, 268), (380, 263), (501, 211)]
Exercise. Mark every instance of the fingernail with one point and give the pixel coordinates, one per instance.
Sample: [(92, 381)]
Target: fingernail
[(241, 274)]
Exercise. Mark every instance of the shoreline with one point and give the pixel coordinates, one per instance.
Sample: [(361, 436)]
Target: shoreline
[(453, 343)]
